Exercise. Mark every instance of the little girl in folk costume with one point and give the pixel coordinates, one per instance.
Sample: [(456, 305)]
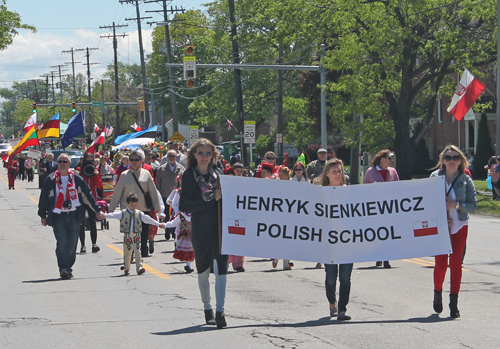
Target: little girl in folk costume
[(131, 226), (183, 249)]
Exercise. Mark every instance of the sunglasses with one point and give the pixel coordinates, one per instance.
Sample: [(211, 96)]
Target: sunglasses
[(203, 154), (171, 156), (298, 169), (270, 158), (452, 157), (62, 161), (134, 160), (387, 157)]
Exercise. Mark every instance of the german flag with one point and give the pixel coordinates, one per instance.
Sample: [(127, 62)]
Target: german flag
[(51, 128)]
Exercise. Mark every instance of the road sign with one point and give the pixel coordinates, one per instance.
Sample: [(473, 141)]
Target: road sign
[(189, 67), (177, 137), (194, 134), (239, 136), (98, 104), (249, 132), (93, 135), (279, 138)]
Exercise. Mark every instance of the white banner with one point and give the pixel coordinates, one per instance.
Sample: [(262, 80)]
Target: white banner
[(358, 223), (34, 154)]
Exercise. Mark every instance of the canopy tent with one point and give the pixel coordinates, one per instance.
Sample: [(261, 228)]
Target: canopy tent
[(150, 132), (133, 143)]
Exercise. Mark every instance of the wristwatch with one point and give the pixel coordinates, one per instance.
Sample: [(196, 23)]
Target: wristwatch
[(457, 206)]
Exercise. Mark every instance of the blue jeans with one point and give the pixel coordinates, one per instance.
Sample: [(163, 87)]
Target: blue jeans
[(344, 273), (66, 231)]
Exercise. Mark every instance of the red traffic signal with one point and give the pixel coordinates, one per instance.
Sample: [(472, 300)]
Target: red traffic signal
[(190, 83)]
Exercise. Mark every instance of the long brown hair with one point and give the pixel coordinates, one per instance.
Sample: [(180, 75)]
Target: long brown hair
[(323, 179), (381, 154), (191, 160), (463, 165)]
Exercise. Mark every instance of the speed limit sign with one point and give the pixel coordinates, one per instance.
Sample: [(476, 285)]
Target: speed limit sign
[(194, 134), (249, 132)]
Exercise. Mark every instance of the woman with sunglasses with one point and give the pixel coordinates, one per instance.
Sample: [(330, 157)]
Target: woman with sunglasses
[(299, 173), (200, 193), (270, 159), (382, 172), (333, 175), (460, 201)]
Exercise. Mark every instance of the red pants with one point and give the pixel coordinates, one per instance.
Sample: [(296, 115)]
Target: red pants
[(457, 245), (11, 180)]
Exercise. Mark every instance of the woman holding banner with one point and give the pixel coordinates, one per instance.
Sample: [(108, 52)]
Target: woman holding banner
[(333, 175), (200, 193), (460, 201), (382, 172)]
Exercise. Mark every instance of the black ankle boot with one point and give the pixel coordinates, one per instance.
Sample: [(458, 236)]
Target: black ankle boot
[(220, 320), (454, 313), (438, 301), (209, 317)]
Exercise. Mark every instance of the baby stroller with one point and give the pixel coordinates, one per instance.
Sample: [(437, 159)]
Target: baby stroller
[(104, 208)]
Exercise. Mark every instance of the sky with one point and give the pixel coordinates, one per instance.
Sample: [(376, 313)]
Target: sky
[(65, 24)]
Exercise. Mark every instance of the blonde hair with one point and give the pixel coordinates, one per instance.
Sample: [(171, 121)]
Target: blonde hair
[(463, 165), (323, 180)]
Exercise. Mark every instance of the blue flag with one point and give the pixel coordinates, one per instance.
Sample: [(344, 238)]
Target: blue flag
[(75, 128), (150, 132)]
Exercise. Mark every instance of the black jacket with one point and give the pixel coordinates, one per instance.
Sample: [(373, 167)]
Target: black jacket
[(47, 200)]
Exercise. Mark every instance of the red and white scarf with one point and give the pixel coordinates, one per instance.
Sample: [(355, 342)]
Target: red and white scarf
[(71, 193)]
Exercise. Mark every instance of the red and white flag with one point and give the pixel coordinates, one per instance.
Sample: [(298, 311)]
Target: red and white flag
[(136, 127), (229, 124), (96, 128), (30, 123), (468, 90), (236, 226), (99, 140), (425, 228)]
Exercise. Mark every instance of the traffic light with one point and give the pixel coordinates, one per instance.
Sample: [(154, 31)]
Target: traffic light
[(73, 107), (189, 72), (34, 107), (141, 105), (189, 50)]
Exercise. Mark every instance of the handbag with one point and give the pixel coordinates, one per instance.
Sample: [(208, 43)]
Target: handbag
[(147, 197)]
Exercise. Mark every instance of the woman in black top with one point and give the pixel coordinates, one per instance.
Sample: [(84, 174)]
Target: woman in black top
[(200, 193)]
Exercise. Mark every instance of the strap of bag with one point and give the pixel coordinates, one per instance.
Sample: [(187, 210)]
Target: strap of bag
[(449, 190), (142, 190)]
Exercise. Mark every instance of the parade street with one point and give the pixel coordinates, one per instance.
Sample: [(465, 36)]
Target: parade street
[(265, 307)]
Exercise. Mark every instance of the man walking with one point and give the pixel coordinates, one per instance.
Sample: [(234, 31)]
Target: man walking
[(315, 168), (61, 207)]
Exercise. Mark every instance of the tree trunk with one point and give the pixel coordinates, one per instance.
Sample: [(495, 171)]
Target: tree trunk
[(402, 144)]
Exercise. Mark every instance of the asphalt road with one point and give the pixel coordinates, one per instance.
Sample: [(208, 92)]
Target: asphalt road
[(265, 308)]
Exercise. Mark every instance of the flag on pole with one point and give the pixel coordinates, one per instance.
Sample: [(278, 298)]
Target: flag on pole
[(99, 140), (30, 123), (51, 128), (29, 139), (136, 127), (75, 128), (468, 90), (40, 125), (96, 128), (229, 124), (109, 130)]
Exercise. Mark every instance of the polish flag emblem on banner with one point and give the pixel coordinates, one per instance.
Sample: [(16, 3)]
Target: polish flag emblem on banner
[(425, 228), (467, 92), (236, 226)]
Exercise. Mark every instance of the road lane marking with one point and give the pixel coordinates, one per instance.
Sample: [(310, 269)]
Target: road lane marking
[(149, 268), (33, 199), (424, 262)]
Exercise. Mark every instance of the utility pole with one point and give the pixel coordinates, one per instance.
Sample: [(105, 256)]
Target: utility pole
[(88, 68), (173, 97), (280, 105), (73, 65), (141, 51), (60, 78), (115, 49), (237, 82)]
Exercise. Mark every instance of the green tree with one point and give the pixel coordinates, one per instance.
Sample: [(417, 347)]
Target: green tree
[(11, 23), (484, 150)]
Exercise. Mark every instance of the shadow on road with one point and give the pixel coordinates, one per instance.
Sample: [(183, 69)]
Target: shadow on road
[(325, 321)]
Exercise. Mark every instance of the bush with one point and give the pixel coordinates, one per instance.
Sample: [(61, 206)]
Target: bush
[(484, 150)]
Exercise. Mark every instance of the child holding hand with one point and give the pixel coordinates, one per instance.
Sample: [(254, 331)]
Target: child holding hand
[(131, 226)]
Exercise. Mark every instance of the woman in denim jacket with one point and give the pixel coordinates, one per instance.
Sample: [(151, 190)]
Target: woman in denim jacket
[(460, 201)]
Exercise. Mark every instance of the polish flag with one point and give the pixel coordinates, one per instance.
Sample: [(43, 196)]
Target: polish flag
[(236, 226), (425, 228), (136, 127), (96, 142), (468, 89), (30, 123), (96, 128)]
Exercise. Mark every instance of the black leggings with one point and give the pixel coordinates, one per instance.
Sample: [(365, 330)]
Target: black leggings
[(93, 228)]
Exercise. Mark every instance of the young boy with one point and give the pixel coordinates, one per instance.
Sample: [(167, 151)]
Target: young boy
[(131, 226)]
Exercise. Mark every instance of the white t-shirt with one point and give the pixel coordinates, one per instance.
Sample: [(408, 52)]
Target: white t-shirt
[(453, 213)]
